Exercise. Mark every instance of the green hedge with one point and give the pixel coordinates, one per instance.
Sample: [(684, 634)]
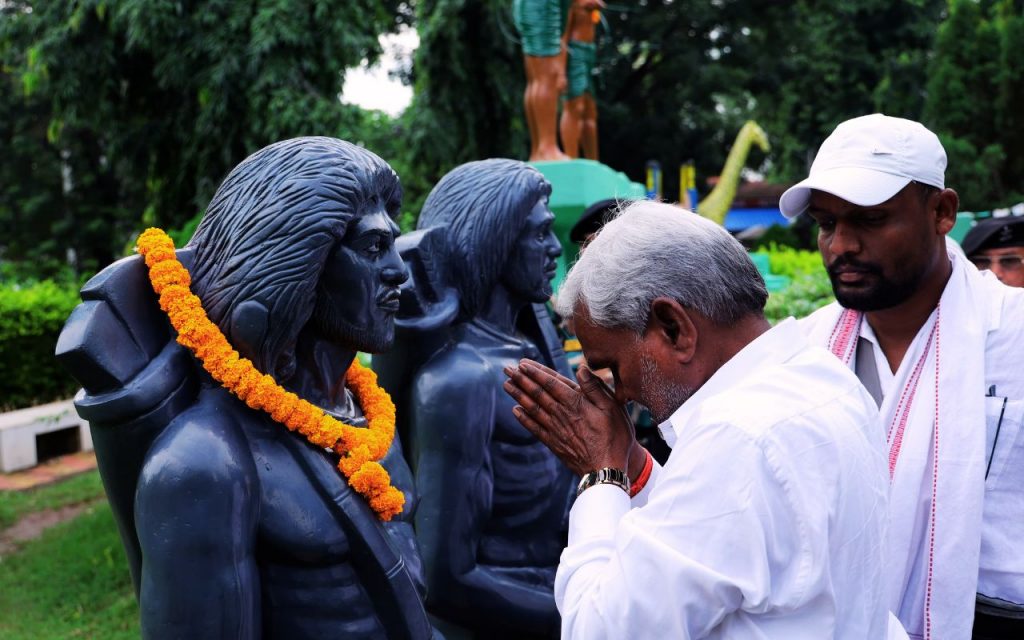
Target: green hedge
[(809, 290), (804, 295), (31, 317)]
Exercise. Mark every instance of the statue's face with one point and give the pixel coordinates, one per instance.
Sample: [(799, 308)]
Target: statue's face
[(357, 296), (531, 265)]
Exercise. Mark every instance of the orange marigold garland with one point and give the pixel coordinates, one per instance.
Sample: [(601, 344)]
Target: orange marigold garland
[(360, 449)]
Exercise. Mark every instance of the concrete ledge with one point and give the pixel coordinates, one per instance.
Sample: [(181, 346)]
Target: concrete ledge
[(18, 431)]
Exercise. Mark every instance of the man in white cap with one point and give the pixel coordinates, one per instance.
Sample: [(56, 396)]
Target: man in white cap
[(938, 344)]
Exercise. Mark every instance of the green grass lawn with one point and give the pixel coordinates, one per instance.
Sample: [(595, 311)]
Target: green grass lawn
[(71, 582), (84, 487)]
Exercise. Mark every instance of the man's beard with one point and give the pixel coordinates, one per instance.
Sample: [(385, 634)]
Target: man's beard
[(883, 294), (660, 396), (340, 330)]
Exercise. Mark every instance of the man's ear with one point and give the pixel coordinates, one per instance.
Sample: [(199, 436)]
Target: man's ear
[(945, 210), (671, 325)]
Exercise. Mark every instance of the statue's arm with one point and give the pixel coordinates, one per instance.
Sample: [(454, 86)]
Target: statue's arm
[(454, 416), (196, 514)]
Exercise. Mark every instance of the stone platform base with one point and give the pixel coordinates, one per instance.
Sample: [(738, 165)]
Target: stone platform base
[(19, 430)]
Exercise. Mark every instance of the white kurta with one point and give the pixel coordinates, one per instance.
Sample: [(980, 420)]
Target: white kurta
[(767, 521), (966, 450)]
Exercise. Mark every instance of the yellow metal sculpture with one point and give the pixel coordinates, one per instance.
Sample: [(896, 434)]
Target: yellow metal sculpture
[(717, 203)]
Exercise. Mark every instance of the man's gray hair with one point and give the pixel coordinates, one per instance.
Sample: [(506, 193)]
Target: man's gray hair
[(651, 250)]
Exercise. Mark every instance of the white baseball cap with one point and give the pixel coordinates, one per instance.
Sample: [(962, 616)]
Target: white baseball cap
[(867, 160)]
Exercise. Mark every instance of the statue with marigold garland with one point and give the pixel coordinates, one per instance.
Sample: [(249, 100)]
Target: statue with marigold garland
[(250, 461)]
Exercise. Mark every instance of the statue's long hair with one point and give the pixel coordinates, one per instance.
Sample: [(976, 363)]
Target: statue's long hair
[(270, 227), (483, 206)]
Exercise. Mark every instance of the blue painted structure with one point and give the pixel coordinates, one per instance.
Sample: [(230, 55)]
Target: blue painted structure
[(741, 219)]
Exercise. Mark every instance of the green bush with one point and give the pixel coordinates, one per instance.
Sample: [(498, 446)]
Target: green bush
[(806, 294), (809, 290), (794, 263), (31, 317)]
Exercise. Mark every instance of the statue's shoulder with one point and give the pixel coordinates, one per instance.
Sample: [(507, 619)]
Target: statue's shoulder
[(203, 447), (459, 366)]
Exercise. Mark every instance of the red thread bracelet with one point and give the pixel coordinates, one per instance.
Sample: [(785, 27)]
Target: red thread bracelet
[(645, 475)]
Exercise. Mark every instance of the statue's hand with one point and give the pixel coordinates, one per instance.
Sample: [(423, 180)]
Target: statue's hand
[(581, 423)]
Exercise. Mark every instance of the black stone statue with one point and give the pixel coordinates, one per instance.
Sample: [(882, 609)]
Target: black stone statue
[(494, 501), (234, 526)]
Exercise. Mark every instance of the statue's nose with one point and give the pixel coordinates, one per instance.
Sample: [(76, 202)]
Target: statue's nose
[(394, 272)]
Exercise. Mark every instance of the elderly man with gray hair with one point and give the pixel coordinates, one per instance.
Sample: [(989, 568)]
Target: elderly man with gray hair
[(767, 521)]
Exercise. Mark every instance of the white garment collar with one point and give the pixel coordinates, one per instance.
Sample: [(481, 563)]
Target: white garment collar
[(778, 344)]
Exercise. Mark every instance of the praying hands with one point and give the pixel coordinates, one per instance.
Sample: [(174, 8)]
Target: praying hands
[(582, 423)]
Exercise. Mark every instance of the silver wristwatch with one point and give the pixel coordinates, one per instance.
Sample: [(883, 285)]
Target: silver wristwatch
[(607, 475)]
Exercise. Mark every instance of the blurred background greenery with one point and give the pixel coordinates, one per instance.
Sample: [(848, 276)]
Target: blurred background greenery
[(120, 113), (117, 114)]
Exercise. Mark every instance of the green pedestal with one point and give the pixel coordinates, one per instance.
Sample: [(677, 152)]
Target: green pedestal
[(575, 185)]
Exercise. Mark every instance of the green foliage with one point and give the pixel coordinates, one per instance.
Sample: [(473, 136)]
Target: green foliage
[(805, 295), (71, 582), (674, 86), (34, 225), (830, 62), (116, 114), (132, 106), (960, 80), (974, 172), (677, 78), (85, 487), (183, 234), (468, 79), (791, 262), (810, 288), (975, 92), (655, 98), (31, 317), (1009, 111)]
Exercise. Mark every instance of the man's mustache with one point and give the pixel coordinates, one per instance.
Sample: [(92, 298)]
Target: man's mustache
[(849, 265)]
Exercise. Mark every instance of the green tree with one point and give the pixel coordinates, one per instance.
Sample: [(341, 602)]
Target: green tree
[(1010, 97), (975, 92), (33, 216), (963, 74), (677, 78), (151, 102), (656, 101), (468, 89), (673, 86), (815, 64)]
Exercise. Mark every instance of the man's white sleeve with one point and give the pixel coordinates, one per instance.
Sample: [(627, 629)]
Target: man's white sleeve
[(718, 532)]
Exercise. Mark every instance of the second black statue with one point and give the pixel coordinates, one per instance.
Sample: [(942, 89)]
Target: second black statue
[(494, 501)]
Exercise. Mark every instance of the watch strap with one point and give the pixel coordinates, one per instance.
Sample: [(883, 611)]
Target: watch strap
[(606, 475)]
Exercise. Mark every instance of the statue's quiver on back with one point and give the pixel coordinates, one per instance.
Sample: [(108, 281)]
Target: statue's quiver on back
[(119, 345)]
